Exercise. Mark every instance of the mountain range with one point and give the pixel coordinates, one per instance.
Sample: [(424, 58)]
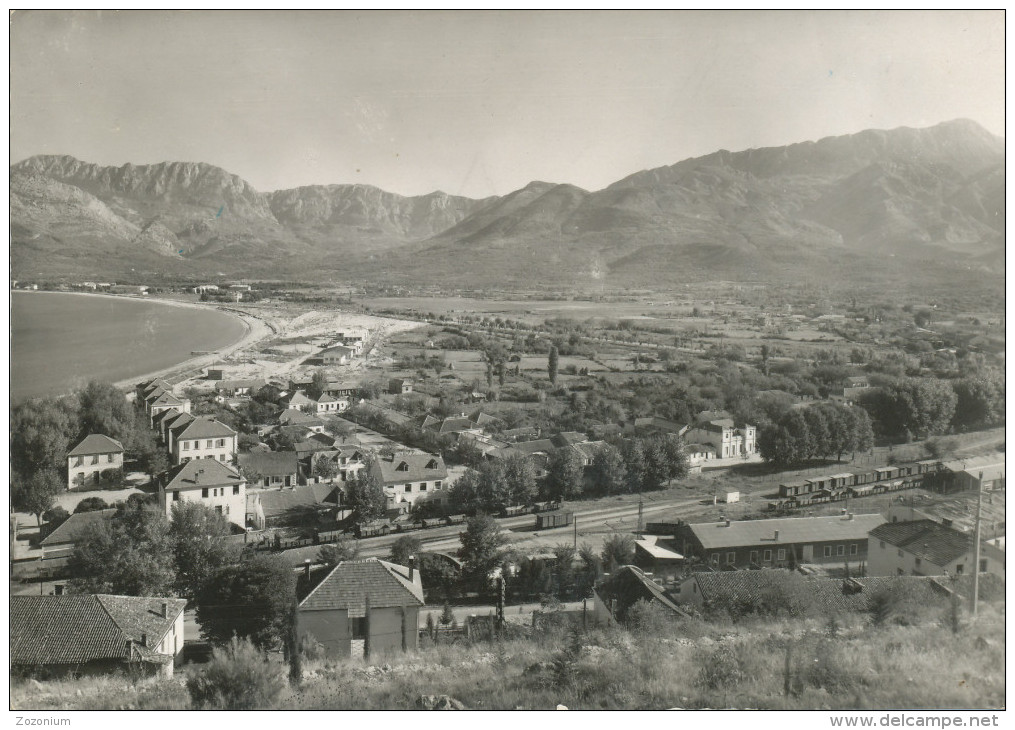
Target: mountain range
[(917, 195)]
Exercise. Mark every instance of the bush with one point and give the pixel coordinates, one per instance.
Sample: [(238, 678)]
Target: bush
[(238, 677), (721, 669), (649, 618)]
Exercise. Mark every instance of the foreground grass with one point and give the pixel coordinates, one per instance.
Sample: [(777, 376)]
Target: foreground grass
[(691, 664)]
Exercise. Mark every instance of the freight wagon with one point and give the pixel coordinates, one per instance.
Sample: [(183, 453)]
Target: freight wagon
[(548, 520)]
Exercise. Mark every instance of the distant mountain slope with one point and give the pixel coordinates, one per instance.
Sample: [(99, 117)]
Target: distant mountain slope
[(919, 194)]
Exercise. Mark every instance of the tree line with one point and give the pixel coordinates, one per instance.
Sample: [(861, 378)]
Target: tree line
[(820, 431)]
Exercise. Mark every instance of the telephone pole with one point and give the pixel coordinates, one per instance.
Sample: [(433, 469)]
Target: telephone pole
[(976, 544), (641, 522)]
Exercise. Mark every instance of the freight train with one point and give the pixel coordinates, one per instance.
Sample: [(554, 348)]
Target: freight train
[(840, 486)]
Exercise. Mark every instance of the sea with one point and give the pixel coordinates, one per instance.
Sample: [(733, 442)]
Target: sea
[(60, 341)]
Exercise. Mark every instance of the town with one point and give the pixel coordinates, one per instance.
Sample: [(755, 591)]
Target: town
[(371, 479)]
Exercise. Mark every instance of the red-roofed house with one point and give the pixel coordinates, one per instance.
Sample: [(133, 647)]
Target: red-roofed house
[(94, 455), (363, 603)]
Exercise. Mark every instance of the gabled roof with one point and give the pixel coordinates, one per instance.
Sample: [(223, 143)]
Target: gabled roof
[(275, 503), (716, 535), (75, 526), (327, 398), (456, 424), (299, 398), (628, 585), (269, 463), (165, 399), (348, 584), (337, 350), (203, 428), (77, 629), (293, 417), (568, 438), (925, 539), (96, 443), (588, 449), (411, 467), (236, 384), (201, 473), (537, 446), (178, 419)]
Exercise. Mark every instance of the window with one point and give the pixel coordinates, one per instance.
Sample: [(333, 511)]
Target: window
[(408, 487), (204, 492), (109, 458), (754, 556), (731, 557), (437, 485), (185, 445), (828, 551), (357, 628), (959, 569), (781, 555), (768, 556), (218, 508), (422, 486), (900, 571), (176, 496), (403, 467), (901, 554), (882, 544), (715, 558), (211, 442), (80, 461), (95, 459), (222, 457), (236, 489), (840, 549), (983, 566), (221, 442), (854, 549)]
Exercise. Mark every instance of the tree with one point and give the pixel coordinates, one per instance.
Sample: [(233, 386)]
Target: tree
[(35, 493), (91, 504), (54, 517), (590, 571), (609, 473), (318, 384), (618, 549), (131, 554), (787, 442), (633, 454), (520, 479), (482, 544), (441, 579), (403, 548), (199, 545), (254, 599), (40, 430), (324, 468), (979, 400), (102, 408), (552, 362), (566, 475), (238, 677), (338, 552), (365, 496), (564, 572)]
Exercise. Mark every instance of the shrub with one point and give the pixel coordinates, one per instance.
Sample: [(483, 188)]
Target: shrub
[(238, 677), (721, 669)]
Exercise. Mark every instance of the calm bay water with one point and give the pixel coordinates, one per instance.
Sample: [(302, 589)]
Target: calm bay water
[(61, 341)]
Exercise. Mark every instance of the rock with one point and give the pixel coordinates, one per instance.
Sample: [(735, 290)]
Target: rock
[(438, 702), (561, 707)]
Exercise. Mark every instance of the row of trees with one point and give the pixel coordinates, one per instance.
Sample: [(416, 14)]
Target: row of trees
[(495, 485), (820, 431), (631, 465)]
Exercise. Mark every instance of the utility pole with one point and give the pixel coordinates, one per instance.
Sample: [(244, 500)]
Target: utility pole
[(576, 534), (641, 522), (976, 544)]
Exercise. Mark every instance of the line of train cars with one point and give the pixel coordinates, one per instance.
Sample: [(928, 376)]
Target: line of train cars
[(835, 487)]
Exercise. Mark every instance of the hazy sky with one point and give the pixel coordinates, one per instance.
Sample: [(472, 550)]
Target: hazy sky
[(481, 103)]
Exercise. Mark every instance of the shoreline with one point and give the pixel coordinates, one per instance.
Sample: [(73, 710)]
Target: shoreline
[(256, 329)]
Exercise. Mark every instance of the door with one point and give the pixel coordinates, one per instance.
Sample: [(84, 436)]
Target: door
[(808, 553)]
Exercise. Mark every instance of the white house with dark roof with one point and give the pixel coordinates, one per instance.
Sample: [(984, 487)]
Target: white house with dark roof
[(208, 481), (271, 469), (719, 431), (202, 438), (924, 547), (411, 476), (91, 635), (363, 603), (330, 404), (337, 355), (93, 455)]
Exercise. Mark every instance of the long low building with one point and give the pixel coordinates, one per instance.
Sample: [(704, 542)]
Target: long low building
[(779, 542)]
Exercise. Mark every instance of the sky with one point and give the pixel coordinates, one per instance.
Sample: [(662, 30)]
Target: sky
[(482, 103)]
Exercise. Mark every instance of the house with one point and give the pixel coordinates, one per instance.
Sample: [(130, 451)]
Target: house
[(780, 542), (54, 636), (209, 482), (587, 450), (330, 404), (962, 474), (337, 355), (697, 453), (293, 417), (299, 401), (361, 607), (719, 431), (410, 476), (453, 426), (399, 386), (923, 547), (348, 461), (853, 388), (624, 587), (89, 462), (202, 438), (238, 387), (309, 505), (658, 556), (61, 541), (170, 420), (202, 288), (269, 469), (166, 402)]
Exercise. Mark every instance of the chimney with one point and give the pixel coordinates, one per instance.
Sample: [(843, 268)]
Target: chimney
[(306, 568), (144, 640), (165, 609), (776, 538), (727, 522), (412, 567)]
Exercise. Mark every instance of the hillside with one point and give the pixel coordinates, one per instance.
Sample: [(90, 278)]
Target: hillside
[(910, 200)]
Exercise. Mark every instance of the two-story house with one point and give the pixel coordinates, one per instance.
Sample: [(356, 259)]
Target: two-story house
[(202, 438), (723, 435), (411, 476), (923, 547), (209, 482), (89, 463)]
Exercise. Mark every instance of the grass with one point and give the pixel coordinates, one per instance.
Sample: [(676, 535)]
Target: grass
[(659, 665)]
